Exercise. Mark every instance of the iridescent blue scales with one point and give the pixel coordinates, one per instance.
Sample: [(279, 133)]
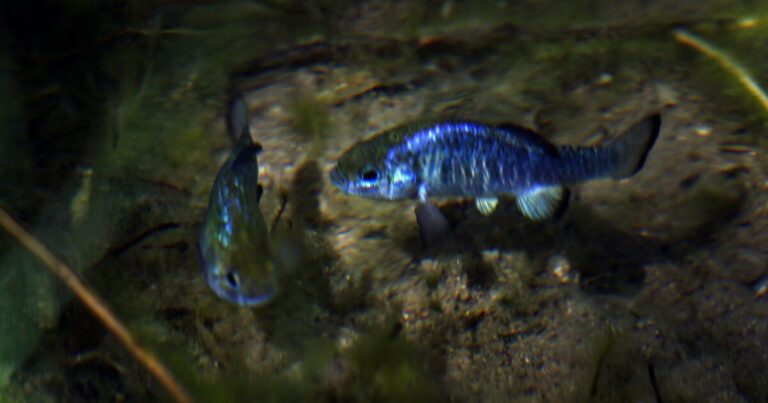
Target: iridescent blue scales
[(234, 241), (470, 159)]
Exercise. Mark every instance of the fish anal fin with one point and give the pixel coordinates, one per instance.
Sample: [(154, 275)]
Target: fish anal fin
[(543, 203), (433, 225), (486, 205)]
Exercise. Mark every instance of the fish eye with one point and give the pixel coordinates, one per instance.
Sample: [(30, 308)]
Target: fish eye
[(233, 279), (369, 174)]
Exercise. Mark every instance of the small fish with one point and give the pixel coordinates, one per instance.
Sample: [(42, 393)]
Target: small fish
[(234, 241), (470, 159)]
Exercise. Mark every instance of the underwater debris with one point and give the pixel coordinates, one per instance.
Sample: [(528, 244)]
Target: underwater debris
[(96, 306), (702, 130), (560, 267), (726, 61)]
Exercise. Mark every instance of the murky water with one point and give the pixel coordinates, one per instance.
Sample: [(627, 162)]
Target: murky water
[(646, 289)]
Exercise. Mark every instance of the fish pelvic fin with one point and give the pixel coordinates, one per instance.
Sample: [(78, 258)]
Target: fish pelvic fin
[(632, 148), (486, 205), (543, 203)]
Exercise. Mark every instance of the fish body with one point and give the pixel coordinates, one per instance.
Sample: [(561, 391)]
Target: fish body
[(234, 240), (470, 159)]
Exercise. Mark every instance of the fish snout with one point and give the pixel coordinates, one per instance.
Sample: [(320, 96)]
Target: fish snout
[(337, 178)]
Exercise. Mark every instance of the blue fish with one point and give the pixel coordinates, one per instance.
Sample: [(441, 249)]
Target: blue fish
[(456, 158), (234, 240)]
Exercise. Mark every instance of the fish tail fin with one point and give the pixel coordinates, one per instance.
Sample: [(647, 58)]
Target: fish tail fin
[(237, 117), (238, 128), (632, 148)]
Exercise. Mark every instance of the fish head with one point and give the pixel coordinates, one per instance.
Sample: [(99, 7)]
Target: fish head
[(368, 172), (243, 282), (235, 251)]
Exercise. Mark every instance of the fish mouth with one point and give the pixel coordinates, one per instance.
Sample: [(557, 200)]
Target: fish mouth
[(248, 294), (249, 297), (338, 180)]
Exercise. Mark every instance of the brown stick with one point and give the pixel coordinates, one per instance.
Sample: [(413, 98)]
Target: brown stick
[(94, 304)]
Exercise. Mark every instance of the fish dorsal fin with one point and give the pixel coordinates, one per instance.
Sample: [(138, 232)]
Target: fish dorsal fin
[(486, 205), (543, 203), (527, 137), (413, 137), (245, 150), (259, 192)]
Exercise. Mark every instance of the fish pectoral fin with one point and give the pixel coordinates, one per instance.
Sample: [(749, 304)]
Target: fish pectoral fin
[(542, 203), (486, 205), (423, 193)]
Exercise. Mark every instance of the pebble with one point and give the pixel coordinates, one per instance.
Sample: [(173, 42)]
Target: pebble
[(702, 130), (560, 267), (761, 288)]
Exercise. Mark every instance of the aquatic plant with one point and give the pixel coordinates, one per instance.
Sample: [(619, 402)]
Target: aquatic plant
[(310, 118), (94, 304)]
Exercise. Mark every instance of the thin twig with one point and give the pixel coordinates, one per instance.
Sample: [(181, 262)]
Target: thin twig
[(283, 203), (726, 61), (94, 304)]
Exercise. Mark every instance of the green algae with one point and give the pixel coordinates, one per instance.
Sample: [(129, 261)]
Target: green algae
[(310, 119), (388, 368), (620, 369), (146, 120), (33, 296)]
